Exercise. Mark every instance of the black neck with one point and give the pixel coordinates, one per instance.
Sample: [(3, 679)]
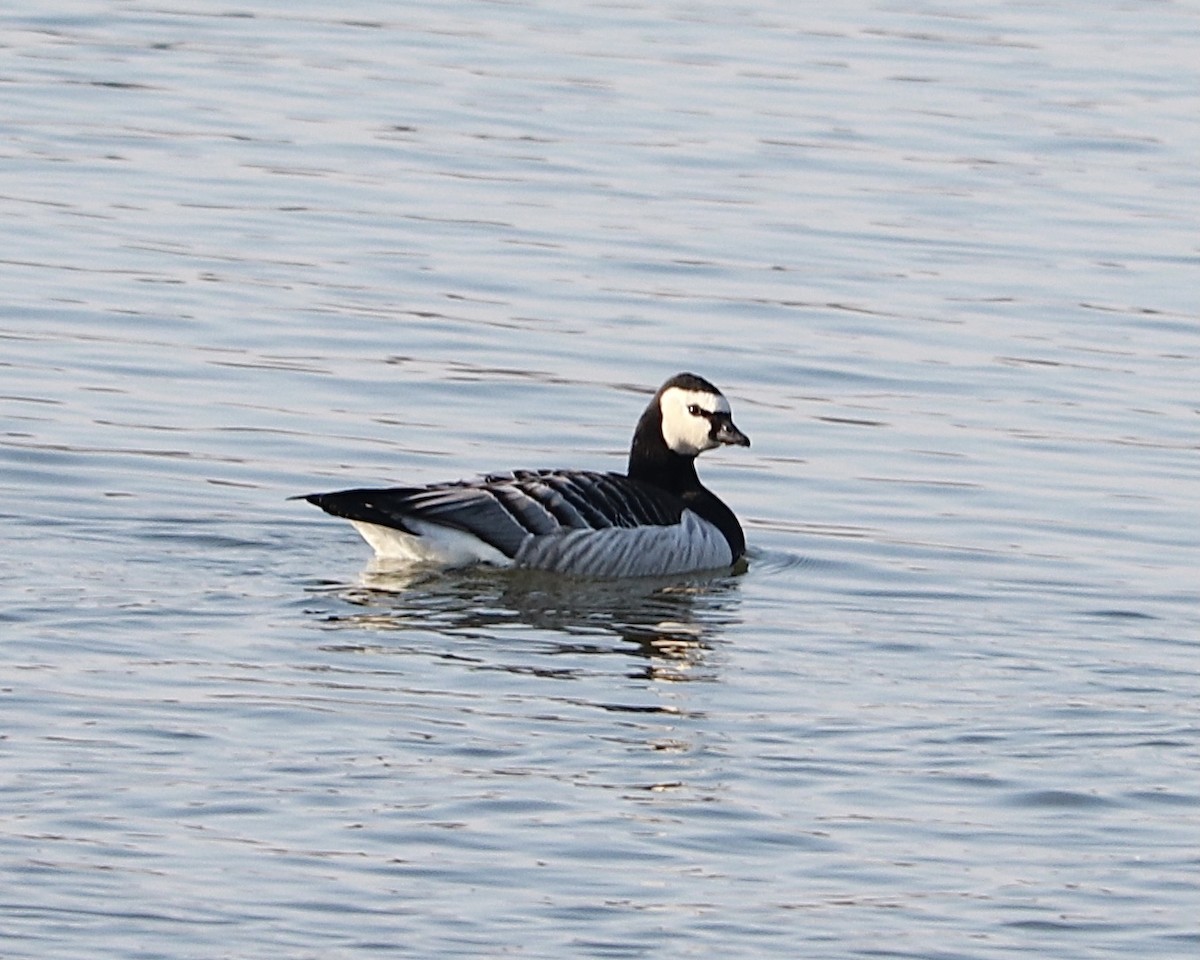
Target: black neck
[(656, 464), (652, 461)]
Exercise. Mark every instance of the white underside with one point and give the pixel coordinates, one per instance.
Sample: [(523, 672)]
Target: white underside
[(692, 544), (443, 546)]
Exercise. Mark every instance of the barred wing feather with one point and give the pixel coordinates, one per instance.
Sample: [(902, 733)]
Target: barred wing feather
[(691, 544), (509, 511)]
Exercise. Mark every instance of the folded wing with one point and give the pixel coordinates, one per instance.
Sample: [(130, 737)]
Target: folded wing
[(509, 511)]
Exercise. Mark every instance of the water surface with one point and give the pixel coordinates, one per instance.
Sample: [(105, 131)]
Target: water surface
[(942, 261)]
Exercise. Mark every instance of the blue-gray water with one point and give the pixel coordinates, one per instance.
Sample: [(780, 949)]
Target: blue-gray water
[(942, 258)]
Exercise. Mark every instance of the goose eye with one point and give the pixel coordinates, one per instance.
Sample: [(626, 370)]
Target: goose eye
[(695, 410)]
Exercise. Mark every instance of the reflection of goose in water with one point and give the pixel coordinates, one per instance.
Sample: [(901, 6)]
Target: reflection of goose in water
[(664, 619), (658, 519)]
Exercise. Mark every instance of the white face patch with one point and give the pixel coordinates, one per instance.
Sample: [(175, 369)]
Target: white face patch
[(685, 431)]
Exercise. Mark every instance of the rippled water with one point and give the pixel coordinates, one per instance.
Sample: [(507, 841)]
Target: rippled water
[(942, 260)]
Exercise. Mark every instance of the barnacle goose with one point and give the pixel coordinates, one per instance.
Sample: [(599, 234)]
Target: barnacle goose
[(658, 519)]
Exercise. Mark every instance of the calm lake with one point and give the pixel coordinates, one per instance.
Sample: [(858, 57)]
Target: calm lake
[(943, 260)]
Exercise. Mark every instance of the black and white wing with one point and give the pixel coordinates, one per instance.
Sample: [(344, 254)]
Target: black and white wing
[(574, 521)]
